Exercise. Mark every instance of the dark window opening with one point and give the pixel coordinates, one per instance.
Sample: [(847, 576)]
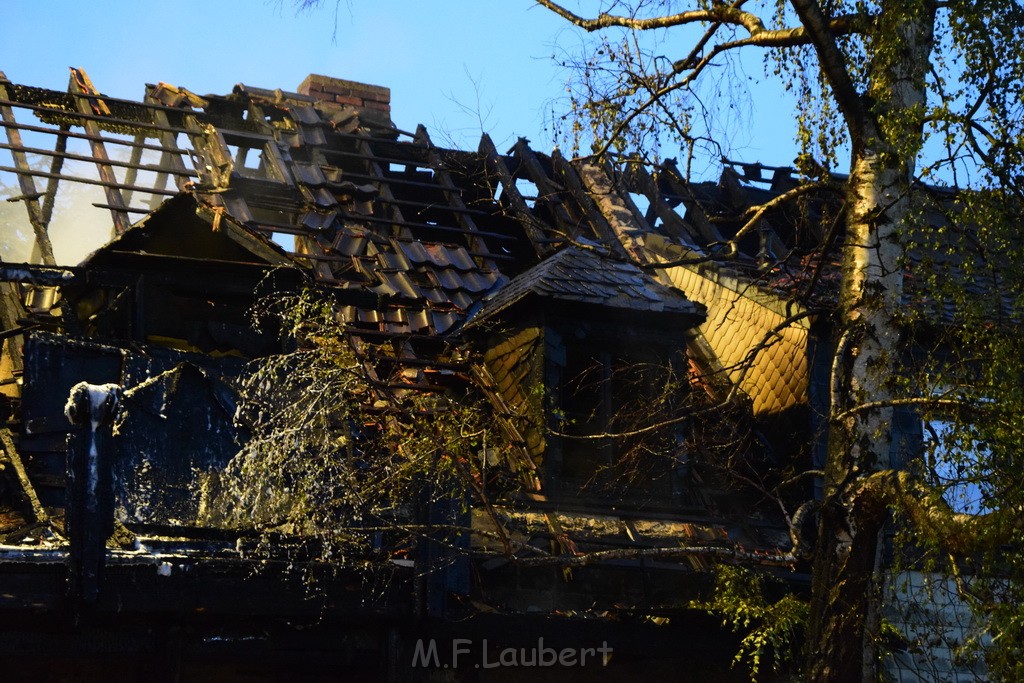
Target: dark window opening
[(621, 412)]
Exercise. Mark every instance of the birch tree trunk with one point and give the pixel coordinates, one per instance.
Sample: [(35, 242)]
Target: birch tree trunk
[(885, 142)]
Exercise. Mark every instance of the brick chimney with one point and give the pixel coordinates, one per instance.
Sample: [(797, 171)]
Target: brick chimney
[(372, 101)]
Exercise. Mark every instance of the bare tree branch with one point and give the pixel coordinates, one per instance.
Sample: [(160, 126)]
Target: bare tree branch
[(834, 65), (926, 401), (730, 15), (731, 552)]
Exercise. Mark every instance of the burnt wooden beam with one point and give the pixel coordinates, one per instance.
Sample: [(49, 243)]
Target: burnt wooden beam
[(171, 161), (81, 179), (15, 125), (550, 192), (171, 158), (55, 276), (14, 332), (708, 230), (585, 199), (376, 174), (356, 217), (56, 165), (442, 207), (11, 312), (80, 83), (453, 196), (412, 160), (520, 209), (131, 165), (129, 210), (160, 182), (216, 163), (25, 180), (637, 179), (393, 178), (15, 468), (83, 116)]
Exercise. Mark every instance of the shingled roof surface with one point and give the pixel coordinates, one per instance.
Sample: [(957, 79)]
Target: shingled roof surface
[(580, 275)]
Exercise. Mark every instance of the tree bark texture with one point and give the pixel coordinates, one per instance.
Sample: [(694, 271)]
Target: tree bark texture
[(885, 142)]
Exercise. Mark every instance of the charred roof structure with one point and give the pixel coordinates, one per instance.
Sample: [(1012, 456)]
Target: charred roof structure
[(559, 293)]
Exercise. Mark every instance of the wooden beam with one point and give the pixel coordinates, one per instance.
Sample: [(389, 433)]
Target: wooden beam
[(584, 197), (15, 468), (708, 230), (79, 84), (172, 154), (520, 209), (453, 196), (550, 192), (376, 174), (25, 180), (133, 168), (639, 180)]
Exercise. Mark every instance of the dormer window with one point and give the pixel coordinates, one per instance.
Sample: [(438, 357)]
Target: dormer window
[(590, 352), (609, 387)]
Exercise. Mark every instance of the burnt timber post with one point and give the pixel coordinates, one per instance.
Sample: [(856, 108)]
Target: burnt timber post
[(90, 507)]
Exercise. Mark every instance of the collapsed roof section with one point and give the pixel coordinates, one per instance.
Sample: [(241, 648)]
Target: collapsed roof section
[(359, 203), (412, 237)]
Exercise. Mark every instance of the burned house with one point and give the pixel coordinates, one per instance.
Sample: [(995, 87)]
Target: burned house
[(618, 391)]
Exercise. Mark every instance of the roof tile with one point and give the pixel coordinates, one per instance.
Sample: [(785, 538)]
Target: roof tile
[(576, 274)]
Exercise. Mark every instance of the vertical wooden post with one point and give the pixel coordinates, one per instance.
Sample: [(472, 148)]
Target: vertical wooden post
[(89, 516)]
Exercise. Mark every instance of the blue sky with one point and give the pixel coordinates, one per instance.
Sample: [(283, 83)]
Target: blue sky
[(454, 65)]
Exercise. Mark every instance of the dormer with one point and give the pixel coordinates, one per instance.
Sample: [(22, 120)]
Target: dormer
[(581, 346)]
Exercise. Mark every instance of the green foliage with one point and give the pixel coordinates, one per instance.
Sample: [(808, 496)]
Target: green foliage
[(334, 455), (967, 296), (770, 631)]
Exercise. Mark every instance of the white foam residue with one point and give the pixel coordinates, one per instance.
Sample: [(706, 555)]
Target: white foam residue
[(103, 400)]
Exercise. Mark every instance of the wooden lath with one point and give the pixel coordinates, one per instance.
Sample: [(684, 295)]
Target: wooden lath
[(171, 163), (708, 231), (375, 174), (637, 179), (586, 194), (453, 196), (552, 192), (83, 107), (81, 84)]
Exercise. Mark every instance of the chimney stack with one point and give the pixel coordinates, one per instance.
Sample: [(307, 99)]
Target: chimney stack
[(372, 101)]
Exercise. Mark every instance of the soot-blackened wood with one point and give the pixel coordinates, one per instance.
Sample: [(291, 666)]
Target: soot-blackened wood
[(90, 495)]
